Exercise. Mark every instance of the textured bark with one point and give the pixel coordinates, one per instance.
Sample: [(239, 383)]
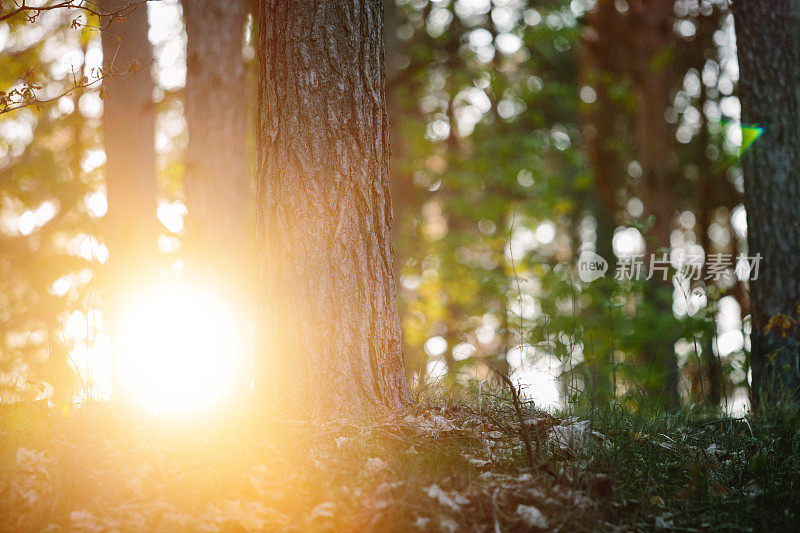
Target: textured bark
[(218, 239), (328, 316), (768, 37), (129, 129)]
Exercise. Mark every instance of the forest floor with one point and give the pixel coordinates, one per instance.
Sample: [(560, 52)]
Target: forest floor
[(448, 467)]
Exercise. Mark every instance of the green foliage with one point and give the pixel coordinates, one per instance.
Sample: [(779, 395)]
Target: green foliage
[(689, 470), (473, 201), (486, 153)]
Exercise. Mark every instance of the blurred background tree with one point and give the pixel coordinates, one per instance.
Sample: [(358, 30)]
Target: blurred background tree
[(129, 125), (55, 231), (217, 183)]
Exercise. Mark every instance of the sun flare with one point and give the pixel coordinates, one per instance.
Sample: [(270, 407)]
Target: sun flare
[(182, 349)]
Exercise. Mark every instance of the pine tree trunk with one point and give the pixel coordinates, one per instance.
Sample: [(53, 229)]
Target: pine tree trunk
[(708, 199), (604, 63), (768, 37), (632, 47), (605, 66), (129, 129), (328, 318), (655, 139), (218, 237)]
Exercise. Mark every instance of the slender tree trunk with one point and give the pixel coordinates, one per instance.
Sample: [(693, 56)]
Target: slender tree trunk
[(611, 37), (217, 180), (218, 240), (331, 332), (655, 139), (713, 368), (768, 37), (706, 202), (131, 187), (603, 66), (402, 186)]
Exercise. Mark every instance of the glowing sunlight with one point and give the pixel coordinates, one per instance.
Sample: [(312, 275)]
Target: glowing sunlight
[(182, 349)]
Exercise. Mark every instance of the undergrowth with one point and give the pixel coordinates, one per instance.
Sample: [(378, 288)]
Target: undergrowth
[(693, 470), (445, 466)]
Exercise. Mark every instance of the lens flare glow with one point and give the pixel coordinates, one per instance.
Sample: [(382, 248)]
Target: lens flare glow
[(181, 349)]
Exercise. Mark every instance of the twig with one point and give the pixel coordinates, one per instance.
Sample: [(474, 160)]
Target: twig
[(31, 12), (518, 409), (25, 94), (18, 99)]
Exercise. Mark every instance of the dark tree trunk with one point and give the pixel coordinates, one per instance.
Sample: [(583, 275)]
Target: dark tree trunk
[(630, 49), (604, 65), (655, 140), (655, 137), (713, 366), (708, 199), (768, 36), (129, 129), (217, 179), (331, 332)]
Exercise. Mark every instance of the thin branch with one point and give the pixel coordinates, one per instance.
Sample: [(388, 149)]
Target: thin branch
[(523, 433), (25, 96), (32, 12)]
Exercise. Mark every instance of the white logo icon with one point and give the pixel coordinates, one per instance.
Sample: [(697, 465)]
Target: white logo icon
[(591, 266)]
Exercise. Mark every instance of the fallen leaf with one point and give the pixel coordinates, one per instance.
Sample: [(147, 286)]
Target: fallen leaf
[(532, 516), (323, 510), (453, 502), (376, 464)]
